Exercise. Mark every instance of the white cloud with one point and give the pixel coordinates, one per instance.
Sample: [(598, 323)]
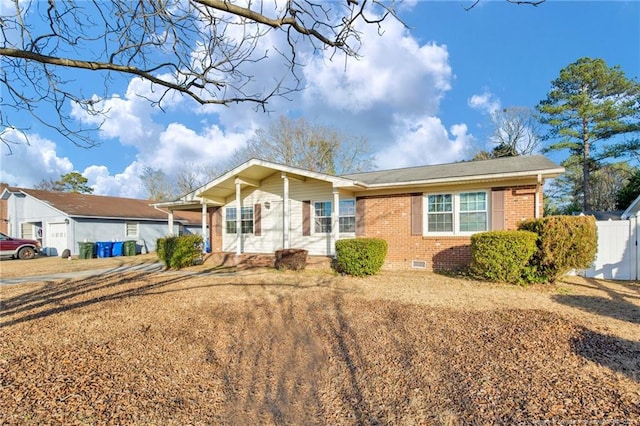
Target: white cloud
[(29, 161), (424, 140), (129, 118), (179, 145), (391, 96), (486, 102), (394, 72), (126, 184)]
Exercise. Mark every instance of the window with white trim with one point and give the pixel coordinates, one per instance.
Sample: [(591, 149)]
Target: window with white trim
[(457, 213), (322, 217), (473, 211), (26, 231), (130, 229), (347, 216), (246, 220), (440, 213)]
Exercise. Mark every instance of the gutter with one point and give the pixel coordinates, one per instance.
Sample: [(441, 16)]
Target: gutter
[(546, 173)]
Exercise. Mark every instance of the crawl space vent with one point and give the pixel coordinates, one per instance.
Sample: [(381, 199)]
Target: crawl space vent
[(419, 264)]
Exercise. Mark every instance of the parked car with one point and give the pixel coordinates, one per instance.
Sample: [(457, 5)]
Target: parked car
[(18, 248)]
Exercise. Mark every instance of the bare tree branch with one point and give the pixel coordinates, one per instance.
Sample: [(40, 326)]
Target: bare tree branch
[(206, 50), (210, 51)]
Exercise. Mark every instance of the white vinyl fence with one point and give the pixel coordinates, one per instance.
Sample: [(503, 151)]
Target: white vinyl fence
[(618, 254)]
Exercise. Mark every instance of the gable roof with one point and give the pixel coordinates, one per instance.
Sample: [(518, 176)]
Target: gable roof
[(249, 173), (100, 206), (498, 168), (252, 172)]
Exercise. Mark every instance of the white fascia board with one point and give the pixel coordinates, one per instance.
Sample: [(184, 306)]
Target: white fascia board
[(148, 219), (232, 174), (547, 173), (627, 213), (176, 204)]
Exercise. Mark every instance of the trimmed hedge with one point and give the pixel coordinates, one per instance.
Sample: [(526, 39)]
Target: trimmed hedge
[(502, 255), (564, 243), (179, 252), (293, 259), (360, 256)]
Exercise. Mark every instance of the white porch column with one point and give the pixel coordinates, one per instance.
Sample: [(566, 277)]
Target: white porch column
[(238, 218), (205, 237), (537, 197), (286, 216), (335, 221), (170, 223)]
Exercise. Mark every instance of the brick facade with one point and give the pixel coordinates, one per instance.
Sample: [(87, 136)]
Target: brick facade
[(389, 217)]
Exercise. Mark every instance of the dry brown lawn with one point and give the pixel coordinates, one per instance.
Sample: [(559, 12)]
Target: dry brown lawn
[(256, 346)]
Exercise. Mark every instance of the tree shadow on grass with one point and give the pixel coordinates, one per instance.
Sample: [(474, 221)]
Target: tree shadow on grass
[(617, 354), (61, 296), (54, 298), (615, 304)]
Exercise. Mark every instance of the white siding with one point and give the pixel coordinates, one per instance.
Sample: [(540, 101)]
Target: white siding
[(317, 244), (271, 190), (25, 210)]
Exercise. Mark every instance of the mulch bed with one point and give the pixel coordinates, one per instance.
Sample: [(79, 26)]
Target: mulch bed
[(130, 350)]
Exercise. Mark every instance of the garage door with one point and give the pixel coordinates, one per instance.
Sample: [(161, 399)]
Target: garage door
[(55, 240)]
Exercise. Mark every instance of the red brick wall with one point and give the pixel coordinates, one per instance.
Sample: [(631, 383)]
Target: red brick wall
[(389, 217), (214, 219)]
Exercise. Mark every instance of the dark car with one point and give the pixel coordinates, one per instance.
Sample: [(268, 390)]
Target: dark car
[(18, 247)]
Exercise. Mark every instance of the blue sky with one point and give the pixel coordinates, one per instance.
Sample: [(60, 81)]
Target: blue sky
[(420, 95)]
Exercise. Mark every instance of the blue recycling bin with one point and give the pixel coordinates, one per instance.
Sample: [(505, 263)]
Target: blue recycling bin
[(117, 249), (104, 248)]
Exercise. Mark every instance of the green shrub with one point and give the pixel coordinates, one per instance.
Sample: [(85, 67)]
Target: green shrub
[(564, 243), (179, 252), (503, 255), (293, 259), (360, 256)]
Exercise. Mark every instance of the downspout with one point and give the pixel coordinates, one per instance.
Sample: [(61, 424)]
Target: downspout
[(169, 219), (634, 231), (238, 219), (537, 197), (335, 222), (286, 215)]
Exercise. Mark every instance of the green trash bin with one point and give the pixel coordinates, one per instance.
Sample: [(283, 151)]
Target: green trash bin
[(86, 250), (130, 248)]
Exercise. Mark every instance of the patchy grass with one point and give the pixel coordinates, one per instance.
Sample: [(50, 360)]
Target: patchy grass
[(42, 265), (265, 347)]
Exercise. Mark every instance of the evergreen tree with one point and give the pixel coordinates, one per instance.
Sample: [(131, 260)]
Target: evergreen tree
[(629, 192), (590, 103), (70, 182)]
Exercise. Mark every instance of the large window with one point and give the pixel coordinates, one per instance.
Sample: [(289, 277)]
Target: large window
[(473, 212), (322, 216), (440, 213), (463, 212), (246, 220), (347, 216)]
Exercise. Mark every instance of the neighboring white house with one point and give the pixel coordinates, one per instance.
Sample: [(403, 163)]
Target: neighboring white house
[(60, 220)]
